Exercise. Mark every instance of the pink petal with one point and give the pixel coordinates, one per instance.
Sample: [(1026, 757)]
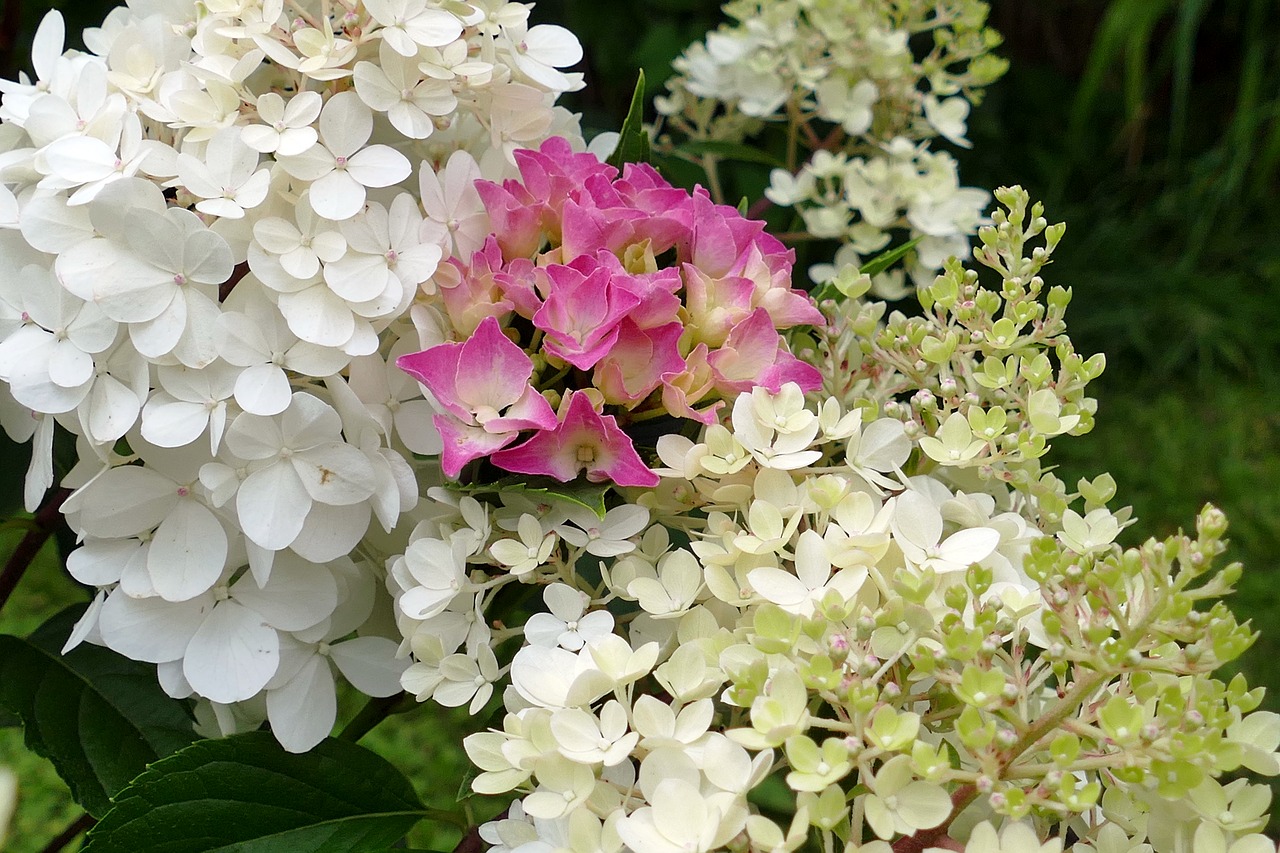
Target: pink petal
[(584, 441)]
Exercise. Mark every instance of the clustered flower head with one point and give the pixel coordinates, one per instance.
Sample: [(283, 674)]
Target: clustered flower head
[(882, 613), (621, 298), (864, 87), (851, 586), (215, 223)]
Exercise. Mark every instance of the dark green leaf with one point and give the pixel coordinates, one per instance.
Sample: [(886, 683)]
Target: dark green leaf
[(99, 717), (633, 139), (731, 151), (246, 794)]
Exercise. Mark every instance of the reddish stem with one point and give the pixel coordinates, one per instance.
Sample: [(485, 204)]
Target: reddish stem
[(46, 521)]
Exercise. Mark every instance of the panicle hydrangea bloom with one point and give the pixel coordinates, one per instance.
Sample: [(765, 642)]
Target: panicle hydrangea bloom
[(616, 295), (861, 93), (217, 236), (875, 605)]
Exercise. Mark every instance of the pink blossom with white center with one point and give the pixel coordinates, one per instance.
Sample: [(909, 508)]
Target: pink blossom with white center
[(584, 441), (483, 385)]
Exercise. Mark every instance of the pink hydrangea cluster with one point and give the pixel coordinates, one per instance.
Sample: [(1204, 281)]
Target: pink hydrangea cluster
[(619, 298)]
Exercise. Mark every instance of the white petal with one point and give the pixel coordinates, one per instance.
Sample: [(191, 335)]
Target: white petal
[(298, 595), (187, 553), (99, 562), (272, 506), (263, 390), (302, 712), (150, 629), (370, 664), (167, 422), (330, 532), (232, 655), (337, 195), (318, 316), (378, 166)]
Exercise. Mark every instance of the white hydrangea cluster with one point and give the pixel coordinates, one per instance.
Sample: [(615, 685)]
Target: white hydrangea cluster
[(217, 237), (856, 89), (785, 508)]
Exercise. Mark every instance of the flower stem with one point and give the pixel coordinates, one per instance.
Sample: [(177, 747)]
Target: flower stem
[(42, 527), (77, 826), (374, 712)]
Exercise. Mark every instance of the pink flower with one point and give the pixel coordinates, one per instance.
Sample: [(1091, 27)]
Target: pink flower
[(483, 385), (473, 293), (583, 441), (681, 390), (638, 361), (755, 355), (515, 217), (582, 312)]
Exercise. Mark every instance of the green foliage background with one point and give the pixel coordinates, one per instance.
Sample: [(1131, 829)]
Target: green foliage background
[(1151, 126)]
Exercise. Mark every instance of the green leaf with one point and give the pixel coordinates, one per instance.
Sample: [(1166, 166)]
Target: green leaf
[(246, 794), (873, 267), (580, 491), (730, 151), (633, 139), (99, 717), (883, 261)]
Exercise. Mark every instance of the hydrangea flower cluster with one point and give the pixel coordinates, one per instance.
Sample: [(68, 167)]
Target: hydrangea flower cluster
[(621, 298), (881, 615), (855, 88), (215, 237)]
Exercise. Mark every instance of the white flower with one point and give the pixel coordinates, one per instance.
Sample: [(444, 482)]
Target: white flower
[(680, 820), (801, 592), (297, 248), (567, 625), (225, 178), (455, 216), (917, 528), (226, 638), (539, 51), (584, 738), (1014, 838), (409, 24), (948, 118), (604, 537), (296, 459), (340, 167), (466, 678), (251, 333), (285, 129), (850, 106), (396, 87), (191, 402)]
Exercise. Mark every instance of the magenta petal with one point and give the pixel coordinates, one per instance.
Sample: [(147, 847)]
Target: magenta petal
[(584, 441), (437, 368), (491, 369), (531, 411), (463, 443)]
